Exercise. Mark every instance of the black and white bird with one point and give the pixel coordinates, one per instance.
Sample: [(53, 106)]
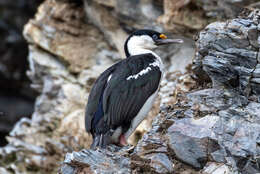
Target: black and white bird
[(122, 95)]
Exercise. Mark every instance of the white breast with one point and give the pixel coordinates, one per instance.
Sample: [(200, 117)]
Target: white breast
[(141, 114)]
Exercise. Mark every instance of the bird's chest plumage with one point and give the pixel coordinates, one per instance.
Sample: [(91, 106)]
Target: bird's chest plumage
[(141, 114)]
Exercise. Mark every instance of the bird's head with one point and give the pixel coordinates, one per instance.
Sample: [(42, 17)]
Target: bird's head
[(142, 40)]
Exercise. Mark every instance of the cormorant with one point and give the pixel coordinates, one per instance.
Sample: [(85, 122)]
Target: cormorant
[(123, 94)]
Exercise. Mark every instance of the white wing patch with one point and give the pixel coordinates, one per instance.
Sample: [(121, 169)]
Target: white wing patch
[(156, 64), (109, 77), (144, 71)]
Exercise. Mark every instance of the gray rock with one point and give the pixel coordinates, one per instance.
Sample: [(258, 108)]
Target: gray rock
[(161, 163), (189, 150), (227, 53), (99, 161), (139, 12), (227, 132), (224, 8)]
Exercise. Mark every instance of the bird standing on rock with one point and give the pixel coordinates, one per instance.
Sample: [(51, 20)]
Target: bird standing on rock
[(122, 95)]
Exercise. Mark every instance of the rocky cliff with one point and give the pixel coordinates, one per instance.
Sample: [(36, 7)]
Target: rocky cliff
[(208, 119)]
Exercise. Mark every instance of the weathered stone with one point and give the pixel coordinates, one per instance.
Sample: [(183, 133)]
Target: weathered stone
[(227, 53), (64, 35), (138, 13), (189, 150), (224, 8), (178, 16), (161, 163), (183, 15), (214, 168), (256, 72), (99, 161), (191, 140), (107, 23)]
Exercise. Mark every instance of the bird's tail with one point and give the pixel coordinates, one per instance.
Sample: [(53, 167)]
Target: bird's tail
[(101, 141)]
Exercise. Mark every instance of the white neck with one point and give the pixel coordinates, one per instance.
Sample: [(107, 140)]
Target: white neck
[(138, 50), (140, 45)]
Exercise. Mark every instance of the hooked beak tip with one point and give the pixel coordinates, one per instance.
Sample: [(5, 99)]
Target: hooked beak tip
[(180, 41)]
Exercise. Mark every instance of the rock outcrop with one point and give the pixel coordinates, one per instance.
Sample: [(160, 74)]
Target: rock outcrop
[(187, 16), (228, 54), (200, 128)]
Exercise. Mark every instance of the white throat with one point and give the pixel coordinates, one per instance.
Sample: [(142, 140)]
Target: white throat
[(140, 45), (138, 50)]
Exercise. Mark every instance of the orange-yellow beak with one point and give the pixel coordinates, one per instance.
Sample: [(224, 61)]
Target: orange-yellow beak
[(162, 36)]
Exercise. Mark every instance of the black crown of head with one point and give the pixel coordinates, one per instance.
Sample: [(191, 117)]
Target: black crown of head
[(145, 32)]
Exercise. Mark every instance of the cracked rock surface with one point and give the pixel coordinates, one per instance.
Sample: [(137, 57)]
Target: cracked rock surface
[(228, 53)]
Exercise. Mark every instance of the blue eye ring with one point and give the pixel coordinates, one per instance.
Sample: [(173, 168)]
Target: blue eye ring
[(155, 37)]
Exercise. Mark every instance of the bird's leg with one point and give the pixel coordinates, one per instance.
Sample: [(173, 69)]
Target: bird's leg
[(122, 140)]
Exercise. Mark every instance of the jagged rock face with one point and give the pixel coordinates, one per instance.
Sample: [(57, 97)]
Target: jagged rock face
[(187, 16), (224, 9), (65, 38), (228, 53), (177, 16), (219, 126)]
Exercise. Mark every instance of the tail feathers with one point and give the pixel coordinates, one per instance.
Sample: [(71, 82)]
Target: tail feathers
[(101, 141)]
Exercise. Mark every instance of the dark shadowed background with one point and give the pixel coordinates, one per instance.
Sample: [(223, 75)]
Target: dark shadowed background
[(16, 96)]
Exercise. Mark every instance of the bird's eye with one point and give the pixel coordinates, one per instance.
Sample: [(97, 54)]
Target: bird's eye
[(155, 37)]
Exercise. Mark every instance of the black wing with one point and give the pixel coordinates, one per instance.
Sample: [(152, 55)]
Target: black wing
[(126, 93), (94, 96)]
